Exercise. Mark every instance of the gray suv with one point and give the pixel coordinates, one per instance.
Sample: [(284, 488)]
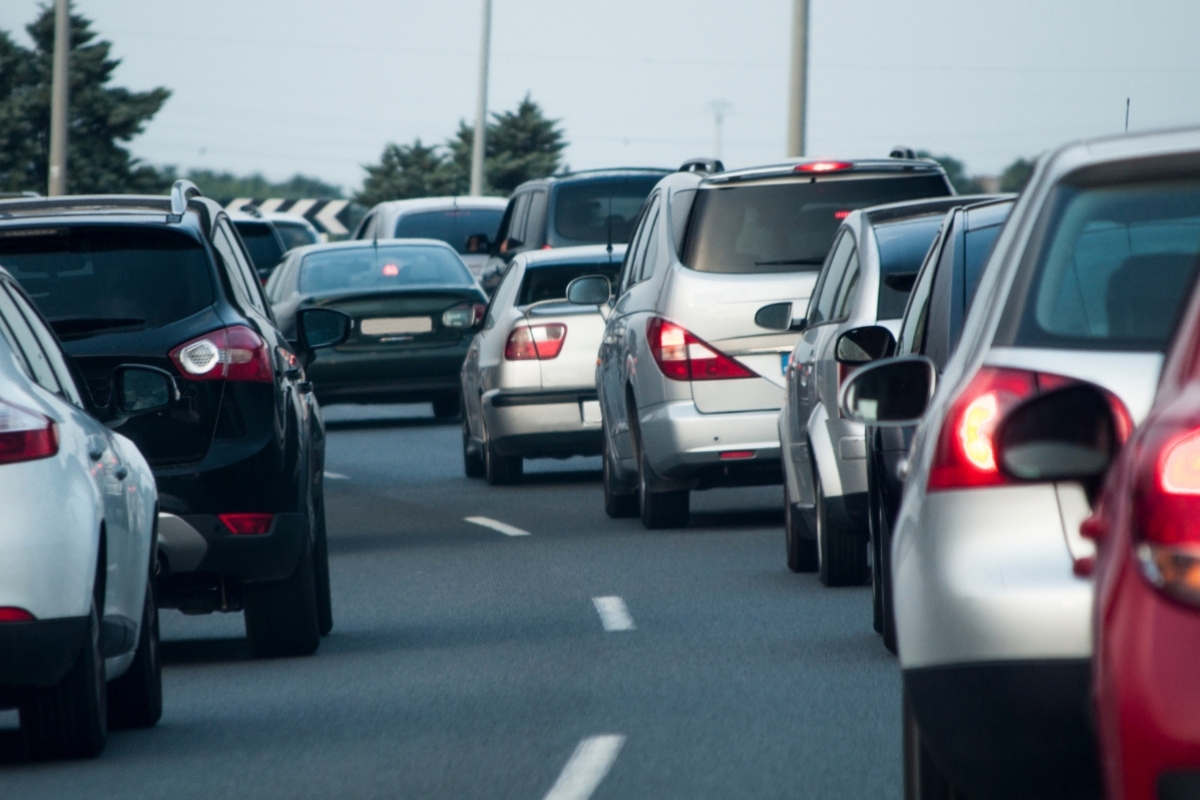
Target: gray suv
[(691, 368)]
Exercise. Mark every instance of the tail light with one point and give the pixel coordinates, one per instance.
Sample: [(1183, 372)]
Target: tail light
[(230, 354), (824, 166), (247, 523), (1166, 515), (535, 342), (684, 357), (464, 315), (14, 614), (25, 435)]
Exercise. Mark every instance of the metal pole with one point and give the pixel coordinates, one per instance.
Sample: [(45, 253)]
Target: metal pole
[(719, 109), (480, 147), (57, 183), (798, 84)]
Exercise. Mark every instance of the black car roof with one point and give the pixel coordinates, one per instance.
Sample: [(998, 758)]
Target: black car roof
[(592, 174), (857, 167), (107, 210)]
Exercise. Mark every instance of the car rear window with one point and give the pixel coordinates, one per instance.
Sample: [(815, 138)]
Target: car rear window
[(600, 210), (902, 248), (452, 226), (785, 225), (549, 281), (1112, 270), (261, 242), (93, 280), (294, 234), (381, 268)]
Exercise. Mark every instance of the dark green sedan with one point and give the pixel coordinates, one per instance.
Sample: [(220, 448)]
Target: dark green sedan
[(414, 306)]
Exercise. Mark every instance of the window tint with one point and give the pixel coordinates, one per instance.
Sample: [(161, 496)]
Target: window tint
[(39, 365), (978, 247), (820, 308), (599, 210), (294, 234), (848, 292), (262, 243), (535, 226), (516, 228), (681, 206), (381, 268), (549, 281), (363, 231), (902, 248), (234, 268), (785, 226), (88, 281), (912, 329), (649, 259), (452, 226), (503, 298), (50, 347), (645, 232), (1113, 269)]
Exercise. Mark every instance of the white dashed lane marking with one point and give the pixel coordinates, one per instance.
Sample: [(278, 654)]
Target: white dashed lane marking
[(590, 762), (614, 616), (496, 525)]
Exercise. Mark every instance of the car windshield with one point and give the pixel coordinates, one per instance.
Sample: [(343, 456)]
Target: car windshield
[(902, 248), (785, 225), (599, 210), (92, 280), (381, 268), (454, 226), (1112, 271), (549, 281), (261, 242), (294, 234)]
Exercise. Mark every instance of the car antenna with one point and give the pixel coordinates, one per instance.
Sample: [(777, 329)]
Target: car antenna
[(1127, 114), (609, 217)]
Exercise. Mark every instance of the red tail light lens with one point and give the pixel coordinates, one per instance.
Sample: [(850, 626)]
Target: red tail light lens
[(230, 354), (824, 166), (1167, 514), (14, 614), (464, 315), (25, 435), (247, 523), (682, 357), (535, 342)]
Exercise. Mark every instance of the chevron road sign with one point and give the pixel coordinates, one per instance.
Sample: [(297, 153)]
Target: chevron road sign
[(330, 216)]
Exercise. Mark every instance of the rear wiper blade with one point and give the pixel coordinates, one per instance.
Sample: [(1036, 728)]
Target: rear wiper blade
[(67, 326), (781, 262)]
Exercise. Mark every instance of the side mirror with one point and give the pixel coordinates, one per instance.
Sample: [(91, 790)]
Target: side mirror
[(321, 327), (776, 317), (589, 290), (863, 345), (478, 243), (894, 392), (139, 389), (1067, 434)]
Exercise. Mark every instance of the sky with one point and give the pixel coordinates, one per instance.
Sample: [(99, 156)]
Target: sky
[(319, 88)]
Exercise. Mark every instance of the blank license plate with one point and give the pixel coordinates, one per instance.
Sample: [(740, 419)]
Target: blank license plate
[(589, 411), (386, 326)]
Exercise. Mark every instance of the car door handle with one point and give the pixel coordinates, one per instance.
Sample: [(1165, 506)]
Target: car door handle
[(122, 473)]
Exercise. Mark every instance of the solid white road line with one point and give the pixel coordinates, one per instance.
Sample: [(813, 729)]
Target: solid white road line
[(614, 616), (589, 764), (336, 476), (496, 525)]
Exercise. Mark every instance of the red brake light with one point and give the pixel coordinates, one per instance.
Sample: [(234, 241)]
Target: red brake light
[(824, 166), (681, 356), (841, 214), (14, 614), (25, 435), (535, 342), (247, 523), (736, 455), (230, 354), (1166, 513)]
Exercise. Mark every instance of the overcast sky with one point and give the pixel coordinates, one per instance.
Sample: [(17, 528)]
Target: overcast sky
[(286, 86)]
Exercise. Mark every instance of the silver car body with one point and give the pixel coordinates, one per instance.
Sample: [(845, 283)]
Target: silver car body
[(382, 220)]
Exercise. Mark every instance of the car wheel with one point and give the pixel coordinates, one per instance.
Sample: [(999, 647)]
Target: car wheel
[(922, 778), (660, 509), (445, 406), (281, 616), (70, 719), (473, 464), (135, 698), (842, 554), (500, 470), (873, 515), (886, 596), (321, 570), (616, 505), (801, 550)]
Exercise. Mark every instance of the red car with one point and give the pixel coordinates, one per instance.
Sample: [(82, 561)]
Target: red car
[(1146, 524)]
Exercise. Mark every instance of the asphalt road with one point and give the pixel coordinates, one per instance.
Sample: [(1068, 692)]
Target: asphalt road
[(469, 663)]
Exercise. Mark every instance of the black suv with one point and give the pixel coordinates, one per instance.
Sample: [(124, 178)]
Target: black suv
[(591, 207), (167, 282)]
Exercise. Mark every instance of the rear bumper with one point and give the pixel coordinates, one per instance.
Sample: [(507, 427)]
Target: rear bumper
[(414, 375), (684, 446), (41, 652), (1015, 729), (541, 424), (201, 543)]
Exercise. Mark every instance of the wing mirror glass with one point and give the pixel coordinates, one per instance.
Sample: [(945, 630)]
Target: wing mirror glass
[(1067, 434), (321, 327), (140, 389), (890, 393), (478, 243), (589, 290), (863, 345)]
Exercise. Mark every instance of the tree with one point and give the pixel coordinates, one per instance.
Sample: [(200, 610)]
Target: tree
[(406, 170), (1016, 175), (102, 117), (227, 185), (956, 171)]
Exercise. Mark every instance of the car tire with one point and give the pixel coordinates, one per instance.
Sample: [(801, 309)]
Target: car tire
[(135, 698), (500, 470), (801, 550), (446, 406), (887, 598), (473, 464), (660, 509), (842, 554), (616, 505), (281, 616), (922, 778), (873, 542), (70, 719), (321, 570)]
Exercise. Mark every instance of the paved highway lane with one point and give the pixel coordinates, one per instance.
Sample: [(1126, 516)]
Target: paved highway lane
[(467, 662)]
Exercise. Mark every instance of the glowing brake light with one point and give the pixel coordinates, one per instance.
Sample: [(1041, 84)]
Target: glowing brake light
[(391, 270), (1181, 466), (824, 166), (230, 354), (14, 614), (247, 524), (535, 342), (681, 356), (1166, 513), (25, 435), (841, 214)]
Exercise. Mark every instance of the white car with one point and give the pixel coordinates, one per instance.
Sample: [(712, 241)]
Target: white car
[(77, 543)]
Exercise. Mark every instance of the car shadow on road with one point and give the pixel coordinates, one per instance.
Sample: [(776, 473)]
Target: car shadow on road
[(204, 651), (758, 518), (390, 422), (13, 749), (564, 476)]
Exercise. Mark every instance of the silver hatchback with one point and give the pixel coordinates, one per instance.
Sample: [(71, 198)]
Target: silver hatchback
[(691, 368)]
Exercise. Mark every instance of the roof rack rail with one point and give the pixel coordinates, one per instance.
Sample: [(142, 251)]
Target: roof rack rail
[(252, 210), (705, 165), (903, 152), (182, 191)]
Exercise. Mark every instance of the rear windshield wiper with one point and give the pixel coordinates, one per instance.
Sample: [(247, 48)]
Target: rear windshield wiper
[(809, 261), (76, 326)]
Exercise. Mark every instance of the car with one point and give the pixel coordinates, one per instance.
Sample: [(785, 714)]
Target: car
[(1085, 283), (293, 229), (570, 210), (413, 304), (705, 314), (467, 224), (260, 239), (931, 326), (78, 621), (529, 379), (862, 287), (164, 282)]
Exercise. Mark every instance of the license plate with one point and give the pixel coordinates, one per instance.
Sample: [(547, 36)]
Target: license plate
[(784, 358), (589, 411), (389, 326)]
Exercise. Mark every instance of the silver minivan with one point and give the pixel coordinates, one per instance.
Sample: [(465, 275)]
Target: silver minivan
[(704, 318)]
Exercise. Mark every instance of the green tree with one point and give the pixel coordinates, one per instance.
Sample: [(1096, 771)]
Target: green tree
[(956, 171), (102, 117), (406, 170), (228, 185), (1016, 175), (521, 145)]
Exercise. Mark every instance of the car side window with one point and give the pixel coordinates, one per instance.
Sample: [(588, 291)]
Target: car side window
[(246, 267), (520, 215), (848, 292), (50, 347), (627, 266), (238, 270), (820, 307), (648, 249), (535, 226), (681, 207), (39, 365), (912, 328), (503, 297), (364, 228)]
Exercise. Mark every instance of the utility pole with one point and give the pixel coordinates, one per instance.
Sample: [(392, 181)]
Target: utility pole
[(798, 83), (479, 149), (57, 180), (719, 109)]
